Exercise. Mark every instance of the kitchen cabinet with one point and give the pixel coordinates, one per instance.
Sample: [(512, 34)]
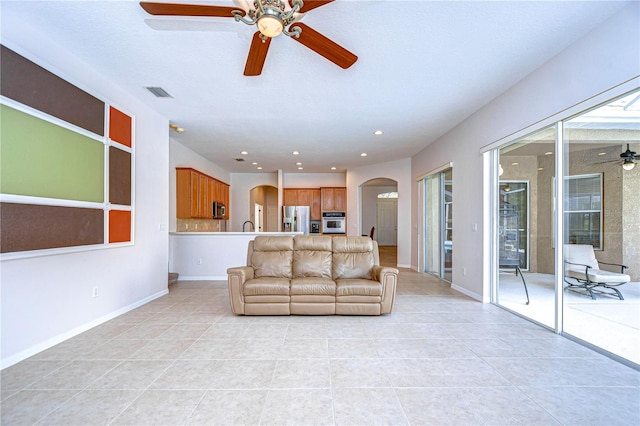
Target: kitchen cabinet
[(334, 199), (290, 197), (304, 197), (316, 205), (196, 191)]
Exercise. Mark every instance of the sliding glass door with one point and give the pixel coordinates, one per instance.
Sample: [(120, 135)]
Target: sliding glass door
[(587, 220), (438, 224)]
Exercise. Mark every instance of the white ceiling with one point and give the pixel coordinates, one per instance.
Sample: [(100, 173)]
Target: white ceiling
[(423, 67)]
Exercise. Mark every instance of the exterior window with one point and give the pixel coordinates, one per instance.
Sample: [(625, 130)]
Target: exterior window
[(583, 212)]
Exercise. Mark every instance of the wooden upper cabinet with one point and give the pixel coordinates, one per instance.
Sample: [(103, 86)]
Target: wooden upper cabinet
[(340, 199), (304, 197), (316, 205), (225, 200), (195, 193), (334, 199), (290, 197), (327, 199)]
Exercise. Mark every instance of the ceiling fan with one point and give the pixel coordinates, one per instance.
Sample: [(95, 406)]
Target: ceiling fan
[(271, 17), (628, 159)]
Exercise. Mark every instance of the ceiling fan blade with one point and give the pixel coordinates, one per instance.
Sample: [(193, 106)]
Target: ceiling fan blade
[(324, 46), (312, 4), (181, 9), (257, 55)]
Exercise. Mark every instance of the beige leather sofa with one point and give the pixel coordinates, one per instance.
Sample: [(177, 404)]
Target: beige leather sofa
[(312, 275)]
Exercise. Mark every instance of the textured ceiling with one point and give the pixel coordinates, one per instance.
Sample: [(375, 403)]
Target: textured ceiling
[(423, 67)]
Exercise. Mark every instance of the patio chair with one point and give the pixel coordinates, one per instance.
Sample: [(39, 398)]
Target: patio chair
[(582, 271)]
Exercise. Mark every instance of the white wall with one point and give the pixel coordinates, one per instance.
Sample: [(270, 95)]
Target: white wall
[(400, 171), (601, 61), (48, 299), (181, 156), (313, 180)]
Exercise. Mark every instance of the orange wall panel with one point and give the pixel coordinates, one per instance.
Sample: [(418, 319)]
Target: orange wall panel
[(119, 127), (119, 226)]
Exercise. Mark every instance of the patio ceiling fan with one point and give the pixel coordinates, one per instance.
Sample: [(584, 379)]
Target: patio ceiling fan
[(627, 158), (271, 17)]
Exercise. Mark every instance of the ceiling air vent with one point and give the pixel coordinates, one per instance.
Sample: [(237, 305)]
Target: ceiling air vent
[(239, 160), (159, 92)]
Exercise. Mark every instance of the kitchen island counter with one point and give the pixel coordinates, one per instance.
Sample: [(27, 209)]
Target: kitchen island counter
[(208, 255)]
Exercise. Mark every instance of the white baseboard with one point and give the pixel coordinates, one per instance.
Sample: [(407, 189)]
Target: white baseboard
[(471, 294), (202, 278), (21, 356)]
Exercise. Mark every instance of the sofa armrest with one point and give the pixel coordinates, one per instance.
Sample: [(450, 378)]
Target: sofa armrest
[(388, 277), (236, 279)]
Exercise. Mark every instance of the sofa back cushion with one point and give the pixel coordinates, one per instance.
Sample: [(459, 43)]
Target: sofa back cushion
[(311, 256), (272, 256), (353, 257)]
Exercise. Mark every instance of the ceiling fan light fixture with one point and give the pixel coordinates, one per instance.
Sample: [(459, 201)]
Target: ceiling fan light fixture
[(270, 25), (270, 17), (628, 164)]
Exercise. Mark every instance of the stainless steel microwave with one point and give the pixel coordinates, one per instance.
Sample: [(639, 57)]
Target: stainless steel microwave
[(219, 211)]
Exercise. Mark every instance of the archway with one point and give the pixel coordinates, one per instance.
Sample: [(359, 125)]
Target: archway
[(263, 209), (379, 212)]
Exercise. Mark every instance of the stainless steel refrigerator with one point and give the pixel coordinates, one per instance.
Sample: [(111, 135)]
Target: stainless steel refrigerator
[(296, 219)]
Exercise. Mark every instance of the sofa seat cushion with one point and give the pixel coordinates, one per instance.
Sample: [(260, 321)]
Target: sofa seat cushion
[(266, 286), (358, 287), (313, 286)]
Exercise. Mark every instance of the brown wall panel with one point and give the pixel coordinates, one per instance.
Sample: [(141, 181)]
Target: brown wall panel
[(32, 85), (119, 176), (34, 227)]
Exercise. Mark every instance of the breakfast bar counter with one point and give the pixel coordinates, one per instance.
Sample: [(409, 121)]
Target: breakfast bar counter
[(207, 255)]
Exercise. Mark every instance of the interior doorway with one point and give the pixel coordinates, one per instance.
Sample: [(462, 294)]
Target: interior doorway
[(263, 208), (379, 211)]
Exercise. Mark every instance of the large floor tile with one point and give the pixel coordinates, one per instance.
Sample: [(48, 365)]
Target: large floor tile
[(368, 407), (160, 407), (229, 407), (298, 407), (91, 407)]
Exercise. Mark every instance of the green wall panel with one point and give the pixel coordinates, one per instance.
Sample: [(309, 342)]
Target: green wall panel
[(41, 159)]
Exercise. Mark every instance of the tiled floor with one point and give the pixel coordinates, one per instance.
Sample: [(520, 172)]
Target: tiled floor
[(439, 358)]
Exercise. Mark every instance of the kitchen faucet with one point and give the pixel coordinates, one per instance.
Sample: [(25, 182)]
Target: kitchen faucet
[(249, 222)]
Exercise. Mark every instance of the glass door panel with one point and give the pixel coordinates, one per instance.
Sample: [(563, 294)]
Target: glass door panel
[(526, 264), (601, 207), (438, 225), (432, 225)]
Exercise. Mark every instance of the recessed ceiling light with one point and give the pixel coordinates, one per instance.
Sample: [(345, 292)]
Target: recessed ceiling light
[(244, 153), (514, 164), (540, 168), (259, 168), (300, 168), (295, 153), (364, 154), (254, 163), (548, 153), (602, 153), (298, 164), (378, 132), (333, 168)]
